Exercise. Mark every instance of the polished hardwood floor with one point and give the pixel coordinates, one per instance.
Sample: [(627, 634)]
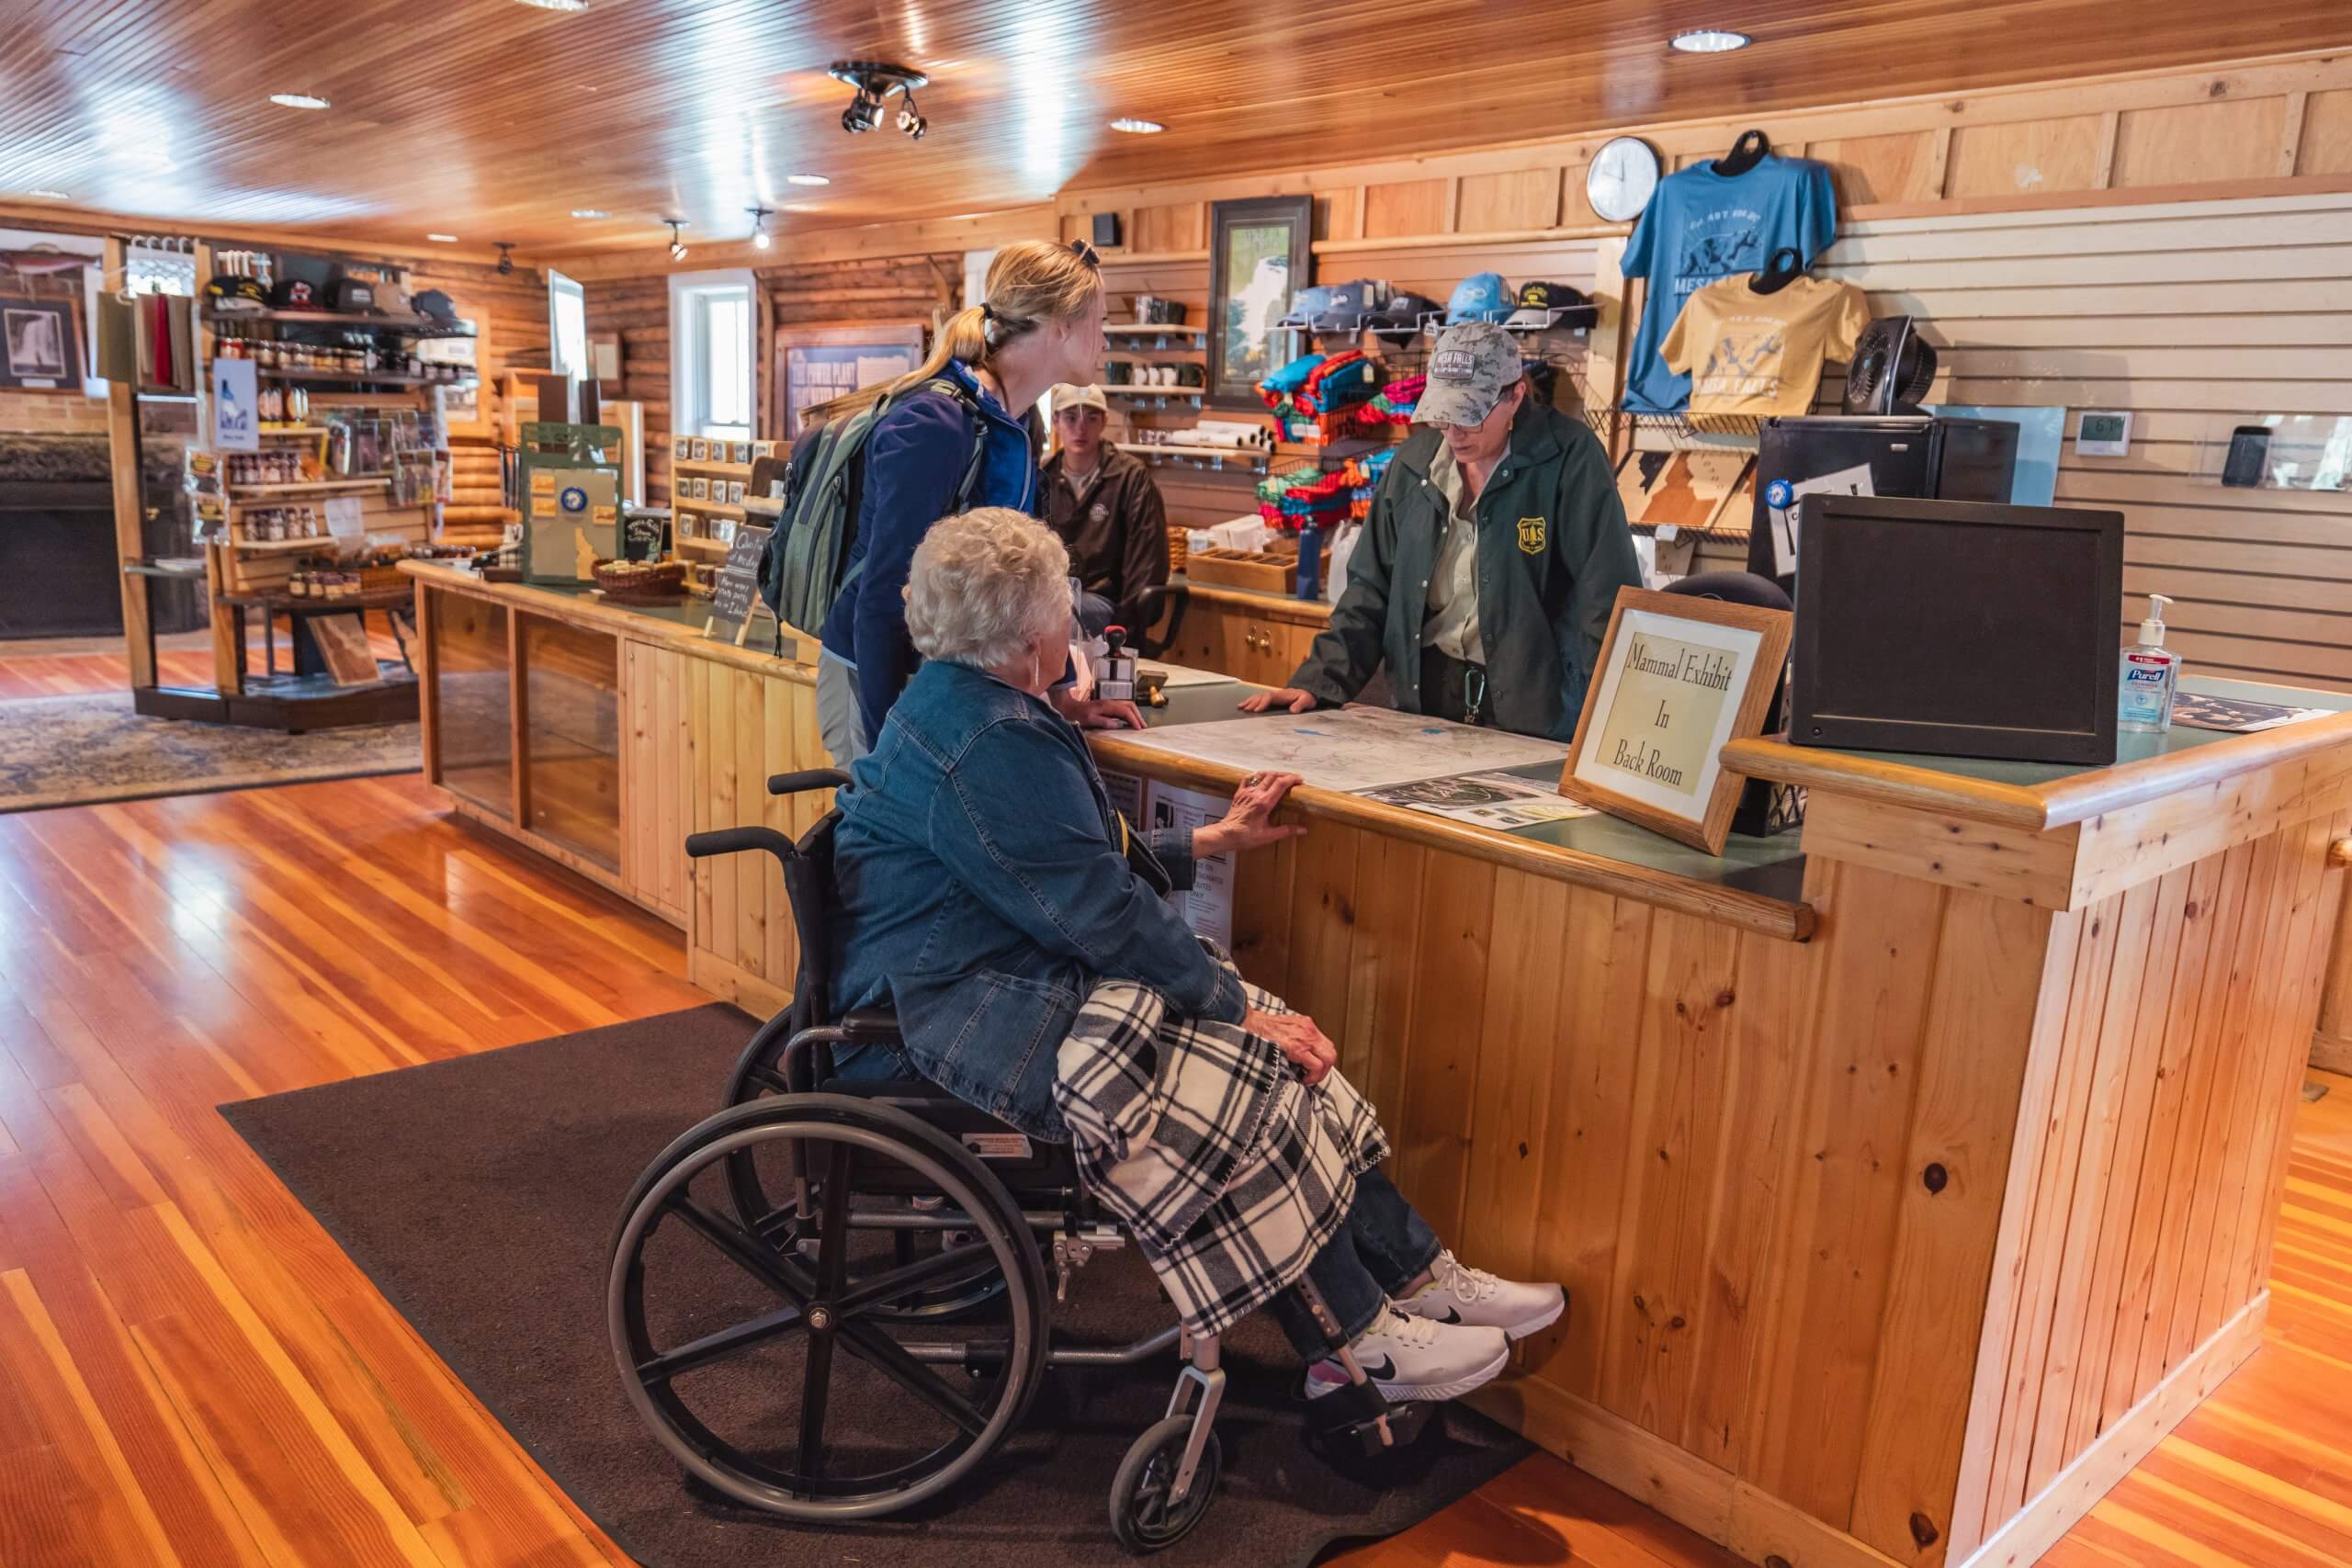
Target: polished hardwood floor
[(192, 1372)]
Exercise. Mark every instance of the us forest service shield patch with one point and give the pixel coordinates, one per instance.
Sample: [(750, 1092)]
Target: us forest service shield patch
[(1531, 535)]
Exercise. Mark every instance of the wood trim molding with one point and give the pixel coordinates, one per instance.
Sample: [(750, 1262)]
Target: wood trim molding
[(2330, 1054), (755, 995), (2001, 860), (2037, 1527), (1273, 606)]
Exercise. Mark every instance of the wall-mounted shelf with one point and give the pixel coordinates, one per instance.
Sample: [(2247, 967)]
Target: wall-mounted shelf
[(720, 507), (1159, 397), (691, 545), (373, 378), (1215, 459), (279, 546), (309, 487), (693, 465), (406, 324)]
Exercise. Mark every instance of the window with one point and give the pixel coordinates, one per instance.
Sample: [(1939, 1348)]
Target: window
[(710, 338), (567, 326)]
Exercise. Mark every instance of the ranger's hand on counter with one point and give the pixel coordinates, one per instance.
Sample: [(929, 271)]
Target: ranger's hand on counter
[(1094, 713), (1289, 696), (1249, 825), (1295, 1037)]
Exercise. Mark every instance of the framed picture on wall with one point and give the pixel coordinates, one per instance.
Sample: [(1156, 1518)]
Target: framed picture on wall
[(816, 365), (41, 345), (1258, 259)]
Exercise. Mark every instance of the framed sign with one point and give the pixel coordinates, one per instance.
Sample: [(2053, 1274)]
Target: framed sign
[(816, 365), (1258, 259), (1678, 676), (41, 345)]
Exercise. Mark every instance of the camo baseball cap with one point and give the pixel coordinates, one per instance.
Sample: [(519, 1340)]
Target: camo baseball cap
[(1471, 367)]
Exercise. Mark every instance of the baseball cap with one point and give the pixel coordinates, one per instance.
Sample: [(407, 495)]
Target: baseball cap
[(1482, 296), (1403, 314), (1066, 396), (1538, 300), (1471, 367), (1307, 304), (1348, 305)]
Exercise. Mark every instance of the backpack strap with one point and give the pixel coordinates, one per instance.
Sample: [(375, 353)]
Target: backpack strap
[(971, 407)]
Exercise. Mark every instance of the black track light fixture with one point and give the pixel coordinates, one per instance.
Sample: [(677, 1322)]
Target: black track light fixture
[(506, 256), (759, 240), (875, 82), (677, 244)]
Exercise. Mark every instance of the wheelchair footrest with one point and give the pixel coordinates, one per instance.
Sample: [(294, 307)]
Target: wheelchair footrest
[(1360, 1418)]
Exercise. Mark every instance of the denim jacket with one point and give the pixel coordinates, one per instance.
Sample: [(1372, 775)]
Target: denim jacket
[(983, 887)]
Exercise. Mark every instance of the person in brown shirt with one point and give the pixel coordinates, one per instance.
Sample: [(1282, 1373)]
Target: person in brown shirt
[(1108, 511)]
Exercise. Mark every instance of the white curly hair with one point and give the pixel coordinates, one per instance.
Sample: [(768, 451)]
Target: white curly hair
[(982, 584)]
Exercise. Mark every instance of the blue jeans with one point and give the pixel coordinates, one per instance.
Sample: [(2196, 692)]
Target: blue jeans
[(1384, 1246)]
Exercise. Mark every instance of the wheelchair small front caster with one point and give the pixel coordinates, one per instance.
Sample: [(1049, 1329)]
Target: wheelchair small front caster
[(1143, 1516)]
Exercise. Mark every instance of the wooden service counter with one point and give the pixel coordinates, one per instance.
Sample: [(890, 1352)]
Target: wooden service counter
[(1253, 637), (1907, 1193), (601, 735)]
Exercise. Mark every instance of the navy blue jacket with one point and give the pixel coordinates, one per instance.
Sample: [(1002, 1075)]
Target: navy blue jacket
[(983, 887), (915, 457)]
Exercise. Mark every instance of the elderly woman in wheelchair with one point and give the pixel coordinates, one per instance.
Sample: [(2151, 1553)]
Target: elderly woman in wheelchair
[(1062, 1067)]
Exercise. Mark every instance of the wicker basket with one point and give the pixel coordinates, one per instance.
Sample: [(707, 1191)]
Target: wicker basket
[(1179, 547), (633, 583), (376, 578)]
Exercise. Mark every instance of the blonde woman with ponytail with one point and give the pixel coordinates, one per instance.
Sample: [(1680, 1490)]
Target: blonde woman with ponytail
[(953, 436)]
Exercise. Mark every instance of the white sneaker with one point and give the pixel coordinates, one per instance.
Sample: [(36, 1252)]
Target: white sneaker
[(1476, 1298), (1415, 1357)]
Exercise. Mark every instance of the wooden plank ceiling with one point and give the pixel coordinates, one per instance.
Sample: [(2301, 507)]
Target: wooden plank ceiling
[(494, 120)]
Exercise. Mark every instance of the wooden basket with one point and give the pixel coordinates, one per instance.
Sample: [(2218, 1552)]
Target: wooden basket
[(1179, 548), (1264, 571), (376, 578)]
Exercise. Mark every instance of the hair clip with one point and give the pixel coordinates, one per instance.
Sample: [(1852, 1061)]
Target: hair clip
[(1086, 253)]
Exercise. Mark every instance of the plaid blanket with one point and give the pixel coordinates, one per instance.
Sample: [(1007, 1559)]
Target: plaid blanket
[(1200, 1138)]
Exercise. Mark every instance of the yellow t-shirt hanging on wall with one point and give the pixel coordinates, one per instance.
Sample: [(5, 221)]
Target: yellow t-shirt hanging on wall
[(1761, 354)]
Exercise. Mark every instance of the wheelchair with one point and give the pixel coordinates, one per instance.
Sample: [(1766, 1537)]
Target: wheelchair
[(824, 1254)]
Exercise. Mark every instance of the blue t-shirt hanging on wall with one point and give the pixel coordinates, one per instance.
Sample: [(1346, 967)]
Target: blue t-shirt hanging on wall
[(1700, 226)]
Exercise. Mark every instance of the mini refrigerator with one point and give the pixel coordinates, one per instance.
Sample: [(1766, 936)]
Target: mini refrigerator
[(1913, 455)]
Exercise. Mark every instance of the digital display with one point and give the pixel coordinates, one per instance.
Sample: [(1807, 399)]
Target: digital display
[(2102, 427)]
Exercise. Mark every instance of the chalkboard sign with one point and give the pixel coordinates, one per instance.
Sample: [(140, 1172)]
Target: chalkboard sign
[(736, 602), (642, 533)]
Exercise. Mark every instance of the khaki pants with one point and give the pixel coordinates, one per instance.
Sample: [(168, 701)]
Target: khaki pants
[(840, 721)]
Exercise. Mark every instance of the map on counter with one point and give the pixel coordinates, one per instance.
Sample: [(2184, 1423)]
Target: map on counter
[(1350, 748), (2199, 711), (1489, 800)]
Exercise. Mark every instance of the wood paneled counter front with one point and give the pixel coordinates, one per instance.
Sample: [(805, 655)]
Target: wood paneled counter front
[(1900, 1211), (1908, 1179)]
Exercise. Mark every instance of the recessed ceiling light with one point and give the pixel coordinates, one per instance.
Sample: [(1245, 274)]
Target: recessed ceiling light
[(297, 100), (444, 239), (50, 195), (1710, 40), (589, 212), (1138, 127), (559, 5), (806, 180)]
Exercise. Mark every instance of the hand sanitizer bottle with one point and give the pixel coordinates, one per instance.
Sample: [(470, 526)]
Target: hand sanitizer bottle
[(2151, 671)]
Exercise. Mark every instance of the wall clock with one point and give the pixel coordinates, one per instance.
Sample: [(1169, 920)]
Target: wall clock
[(1622, 175)]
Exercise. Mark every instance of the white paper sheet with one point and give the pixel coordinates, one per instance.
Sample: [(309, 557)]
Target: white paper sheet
[(1184, 675), (347, 519), (1207, 908), (1352, 748), (1487, 800), (1855, 480)]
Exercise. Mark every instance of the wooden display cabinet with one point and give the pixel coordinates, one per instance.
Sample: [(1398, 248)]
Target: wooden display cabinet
[(1257, 637)]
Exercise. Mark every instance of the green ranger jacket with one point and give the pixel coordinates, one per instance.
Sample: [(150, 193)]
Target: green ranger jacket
[(1552, 551)]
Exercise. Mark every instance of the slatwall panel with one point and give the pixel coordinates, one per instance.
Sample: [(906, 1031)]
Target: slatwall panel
[(2197, 317)]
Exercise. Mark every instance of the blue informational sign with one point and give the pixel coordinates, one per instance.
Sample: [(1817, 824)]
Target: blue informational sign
[(575, 499), (2041, 434), (237, 406)]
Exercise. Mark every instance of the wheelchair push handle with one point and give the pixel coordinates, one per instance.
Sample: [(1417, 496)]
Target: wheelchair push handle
[(807, 779), (735, 841)]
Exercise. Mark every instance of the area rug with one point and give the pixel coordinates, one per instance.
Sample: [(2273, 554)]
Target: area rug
[(78, 750), (480, 1195)]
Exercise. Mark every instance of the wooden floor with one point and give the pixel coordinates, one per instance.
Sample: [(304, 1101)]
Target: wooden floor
[(190, 1371)]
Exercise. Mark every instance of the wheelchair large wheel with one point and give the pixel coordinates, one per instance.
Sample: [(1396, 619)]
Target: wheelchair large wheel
[(769, 1373), (758, 1184)]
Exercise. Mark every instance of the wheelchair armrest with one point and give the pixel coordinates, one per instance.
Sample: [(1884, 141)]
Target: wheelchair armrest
[(734, 840), (807, 778), (1150, 605), (868, 1026)]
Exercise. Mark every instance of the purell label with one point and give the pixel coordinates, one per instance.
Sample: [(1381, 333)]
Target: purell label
[(2144, 672)]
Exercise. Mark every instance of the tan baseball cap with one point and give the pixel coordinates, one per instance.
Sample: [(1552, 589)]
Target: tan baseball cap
[(1471, 367), (1069, 397)]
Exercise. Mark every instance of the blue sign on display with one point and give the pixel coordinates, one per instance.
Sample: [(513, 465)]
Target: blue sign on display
[(574, 499), (237, 406)]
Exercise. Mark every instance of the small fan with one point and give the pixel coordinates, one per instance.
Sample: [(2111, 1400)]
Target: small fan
[(1891, 368)]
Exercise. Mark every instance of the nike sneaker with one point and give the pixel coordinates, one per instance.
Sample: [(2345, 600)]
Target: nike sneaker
[(1416, 1357), (1477, 1298)]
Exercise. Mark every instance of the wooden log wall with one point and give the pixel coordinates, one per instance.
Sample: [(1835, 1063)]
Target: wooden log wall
[(639, 309)]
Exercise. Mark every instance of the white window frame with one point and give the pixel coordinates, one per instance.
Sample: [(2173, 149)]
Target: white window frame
[(562, 288), (690, 292)]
